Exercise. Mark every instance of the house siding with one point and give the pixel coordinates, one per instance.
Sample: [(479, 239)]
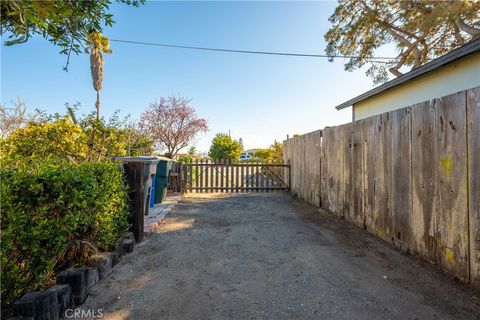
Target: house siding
[(458, 76)]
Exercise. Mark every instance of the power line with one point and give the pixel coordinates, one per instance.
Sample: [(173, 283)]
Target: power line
[(290, 54)]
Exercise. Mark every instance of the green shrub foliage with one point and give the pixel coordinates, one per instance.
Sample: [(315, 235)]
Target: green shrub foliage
[(224, 148), (59, 139), (45, 206)]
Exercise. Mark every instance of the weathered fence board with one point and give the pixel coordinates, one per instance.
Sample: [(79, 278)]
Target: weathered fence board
[(383, 174), (370, 132), (357, 174), (307, 173), (473, 143), (410, 176), (401, 177), (344, 146), (451, 182), (336, 171), (301, 168), (324, 174), (423, 181)]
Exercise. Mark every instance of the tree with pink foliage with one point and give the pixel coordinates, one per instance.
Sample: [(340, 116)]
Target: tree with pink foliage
[(172, 123)]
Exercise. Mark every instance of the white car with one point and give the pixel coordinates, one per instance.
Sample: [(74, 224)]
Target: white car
[(245, 157)]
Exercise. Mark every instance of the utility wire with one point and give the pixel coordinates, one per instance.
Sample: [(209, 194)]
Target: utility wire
[(371, 59)]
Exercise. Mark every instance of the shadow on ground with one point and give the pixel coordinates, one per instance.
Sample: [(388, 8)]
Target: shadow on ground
[(269, 256)]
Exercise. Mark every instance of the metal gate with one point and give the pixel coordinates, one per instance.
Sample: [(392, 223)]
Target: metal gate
[(230, 176)]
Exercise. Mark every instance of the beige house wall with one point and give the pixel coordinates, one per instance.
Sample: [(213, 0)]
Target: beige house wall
[(458, 76)]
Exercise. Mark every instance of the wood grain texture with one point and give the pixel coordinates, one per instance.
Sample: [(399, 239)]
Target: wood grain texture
[(383, 174), (311, 178), (346, 151), (402, 178), (410, 176), (327, 135), (450, 161), (316, 159), (473, 143), (357, 174), (423, 181), (336, 185), (370, 131)]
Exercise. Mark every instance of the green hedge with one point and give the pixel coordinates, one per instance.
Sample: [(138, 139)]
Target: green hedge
[(45, 207)]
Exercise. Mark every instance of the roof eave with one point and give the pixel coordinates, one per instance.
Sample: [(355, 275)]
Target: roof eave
[(470, 48)]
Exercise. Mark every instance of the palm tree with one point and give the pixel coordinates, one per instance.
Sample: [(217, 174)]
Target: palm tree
[(98, 45)]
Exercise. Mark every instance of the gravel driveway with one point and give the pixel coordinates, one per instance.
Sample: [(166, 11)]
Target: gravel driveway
[(268, 256)]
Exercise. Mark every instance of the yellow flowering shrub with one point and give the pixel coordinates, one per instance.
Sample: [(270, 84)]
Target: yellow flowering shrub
[(58, 139)]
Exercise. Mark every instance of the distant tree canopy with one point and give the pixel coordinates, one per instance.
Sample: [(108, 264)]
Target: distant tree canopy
[(421, 30), (66, 24), (224, 148), (262, 154), (172, 123), (273, 154), (276, 154)]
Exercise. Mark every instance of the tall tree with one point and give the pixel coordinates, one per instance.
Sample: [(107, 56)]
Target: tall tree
[(172, 123), (224, 148), (67, 24), (421, 30), (98, 45)]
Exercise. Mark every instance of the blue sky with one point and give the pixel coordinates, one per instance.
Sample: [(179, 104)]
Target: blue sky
[(258, 98)]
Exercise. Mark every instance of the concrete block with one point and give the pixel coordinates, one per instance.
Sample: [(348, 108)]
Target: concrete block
[(128, 245), (119, 247), (92, 276), (63, 293), (103, 262), (38, 305), (77, 279), (129, 235), (115, 258)]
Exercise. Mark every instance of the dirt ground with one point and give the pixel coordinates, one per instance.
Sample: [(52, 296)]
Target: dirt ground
[(268, 256)]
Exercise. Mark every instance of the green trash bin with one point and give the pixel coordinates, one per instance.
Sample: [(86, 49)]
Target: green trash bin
[(162, 178)]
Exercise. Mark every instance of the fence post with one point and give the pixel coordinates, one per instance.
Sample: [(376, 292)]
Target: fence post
[(200, 176), (289, 176), (180, 176)]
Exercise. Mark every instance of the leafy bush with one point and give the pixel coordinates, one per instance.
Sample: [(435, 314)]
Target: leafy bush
[(224, 148), (185, 159), (45, 207), (105, 138), (58, 139)]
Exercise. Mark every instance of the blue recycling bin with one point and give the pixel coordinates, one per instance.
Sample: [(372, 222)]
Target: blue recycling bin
[(152, 192), (162, 178)]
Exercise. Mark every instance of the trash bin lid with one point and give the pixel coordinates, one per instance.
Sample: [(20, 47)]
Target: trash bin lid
[(148, 159), (164, 158)]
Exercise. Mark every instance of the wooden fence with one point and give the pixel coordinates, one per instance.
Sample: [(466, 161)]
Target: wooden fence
[(232, 176), (410, 176)]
